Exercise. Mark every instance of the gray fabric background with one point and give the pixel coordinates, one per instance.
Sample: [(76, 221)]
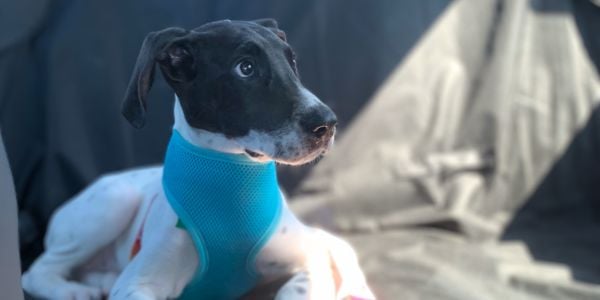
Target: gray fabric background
[(10, 269), (473, 172)]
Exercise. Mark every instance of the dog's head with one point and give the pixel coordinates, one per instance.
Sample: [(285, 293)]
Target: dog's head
[(238, 91)]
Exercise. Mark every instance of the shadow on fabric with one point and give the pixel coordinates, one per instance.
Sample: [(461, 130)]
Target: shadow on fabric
[(560, 221), (586, 16)]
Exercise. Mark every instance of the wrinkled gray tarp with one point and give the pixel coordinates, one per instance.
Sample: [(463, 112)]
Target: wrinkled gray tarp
[(429, 181)]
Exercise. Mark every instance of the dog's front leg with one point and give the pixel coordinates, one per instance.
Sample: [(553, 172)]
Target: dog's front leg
[(316, 280), (165, 264), (302, 287), (349, 278), (331, 272)]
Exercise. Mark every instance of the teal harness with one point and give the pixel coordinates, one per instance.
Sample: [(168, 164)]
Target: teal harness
[(230, 206)]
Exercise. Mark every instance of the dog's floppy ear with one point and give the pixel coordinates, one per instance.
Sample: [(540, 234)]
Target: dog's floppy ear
[(273, 26), (166, 48)]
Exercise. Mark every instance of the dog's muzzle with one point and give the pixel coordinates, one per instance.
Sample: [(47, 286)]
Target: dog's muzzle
[(319, 126)]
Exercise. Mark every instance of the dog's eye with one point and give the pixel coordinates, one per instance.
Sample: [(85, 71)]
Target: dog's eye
[(244, 68)]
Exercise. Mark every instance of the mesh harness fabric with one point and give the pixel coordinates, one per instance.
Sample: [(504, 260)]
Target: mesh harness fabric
[(230, 205)]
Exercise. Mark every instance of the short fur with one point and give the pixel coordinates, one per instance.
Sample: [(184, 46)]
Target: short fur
[(237, 91)]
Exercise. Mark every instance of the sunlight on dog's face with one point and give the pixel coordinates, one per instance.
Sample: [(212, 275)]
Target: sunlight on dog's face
[(247, 94)]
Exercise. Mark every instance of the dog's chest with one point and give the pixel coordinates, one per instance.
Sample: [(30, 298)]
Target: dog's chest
[(230, 206)]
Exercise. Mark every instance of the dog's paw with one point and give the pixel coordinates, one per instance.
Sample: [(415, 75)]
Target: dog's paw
[(297, 288), (131, 294), (292, 292), (103, 281), (75, 291)]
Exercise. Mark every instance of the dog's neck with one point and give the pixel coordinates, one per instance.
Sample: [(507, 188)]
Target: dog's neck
[(202, 138), (221, 199)]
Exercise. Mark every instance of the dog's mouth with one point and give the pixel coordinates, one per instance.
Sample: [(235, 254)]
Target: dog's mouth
[(312, 158), (254, 154), (309, 156), (287, 149)]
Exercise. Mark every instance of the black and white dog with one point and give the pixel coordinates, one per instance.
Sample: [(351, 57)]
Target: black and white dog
[(237, 91)]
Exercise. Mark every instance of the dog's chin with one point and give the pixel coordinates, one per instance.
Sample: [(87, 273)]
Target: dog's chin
[(310, 158)]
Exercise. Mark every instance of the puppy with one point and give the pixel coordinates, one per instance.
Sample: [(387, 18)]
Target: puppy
[(211, 223)]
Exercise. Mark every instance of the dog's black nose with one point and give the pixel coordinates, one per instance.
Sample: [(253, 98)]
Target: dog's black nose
[(324, 129), (319, 123)]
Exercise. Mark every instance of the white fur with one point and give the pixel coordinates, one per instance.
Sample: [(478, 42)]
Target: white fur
[(90, 238)]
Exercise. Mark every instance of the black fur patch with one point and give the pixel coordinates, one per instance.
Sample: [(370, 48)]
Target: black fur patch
[(199, 65)]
